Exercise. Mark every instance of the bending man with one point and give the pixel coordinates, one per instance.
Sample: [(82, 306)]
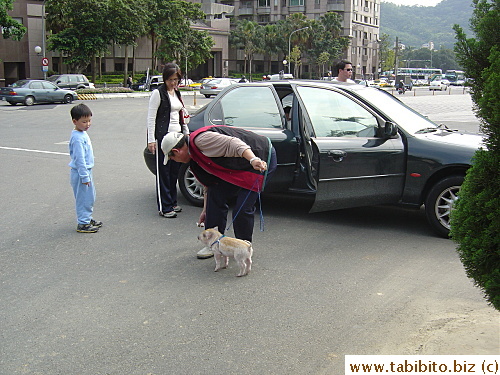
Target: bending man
[(229, 162)]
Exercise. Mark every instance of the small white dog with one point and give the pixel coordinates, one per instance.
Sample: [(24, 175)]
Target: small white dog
[(226, 247)]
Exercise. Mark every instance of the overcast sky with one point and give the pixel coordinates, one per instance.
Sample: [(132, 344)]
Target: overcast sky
[(429, 3)]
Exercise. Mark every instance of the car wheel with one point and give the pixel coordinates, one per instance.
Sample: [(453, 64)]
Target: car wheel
[(68, 99), (439, 203), (207, 96), (190, 187), (29, 100), (13, 103)]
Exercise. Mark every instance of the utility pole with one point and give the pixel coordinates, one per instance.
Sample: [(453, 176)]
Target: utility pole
[(396, 62)]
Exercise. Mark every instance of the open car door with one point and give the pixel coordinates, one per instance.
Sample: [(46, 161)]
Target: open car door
[(348, 155)]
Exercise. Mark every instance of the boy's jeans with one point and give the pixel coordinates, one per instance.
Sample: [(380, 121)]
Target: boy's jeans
[(84, 197)]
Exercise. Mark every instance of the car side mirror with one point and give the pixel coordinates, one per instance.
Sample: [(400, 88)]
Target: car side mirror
[(390, 130)]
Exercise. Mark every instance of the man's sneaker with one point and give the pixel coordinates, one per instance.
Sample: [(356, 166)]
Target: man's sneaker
[(96, 223), (169, 215), (205, 253), (177, 208), (86, 228)]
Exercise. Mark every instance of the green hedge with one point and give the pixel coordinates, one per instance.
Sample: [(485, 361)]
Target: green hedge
[(475, 224)]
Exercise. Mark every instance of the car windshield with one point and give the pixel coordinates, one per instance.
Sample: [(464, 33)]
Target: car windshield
[(52, 78), (410, 120)]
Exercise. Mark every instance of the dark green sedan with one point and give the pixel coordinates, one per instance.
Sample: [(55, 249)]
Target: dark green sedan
[(344, 145)]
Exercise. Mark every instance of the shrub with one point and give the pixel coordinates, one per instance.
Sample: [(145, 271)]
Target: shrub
[(475, 221), (105, 90), (475, 224)]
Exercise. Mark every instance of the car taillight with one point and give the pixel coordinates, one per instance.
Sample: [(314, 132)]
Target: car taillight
[(12, 93), (214, 87)]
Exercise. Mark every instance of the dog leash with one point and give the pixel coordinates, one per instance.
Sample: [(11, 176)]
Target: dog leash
[(260, 208)]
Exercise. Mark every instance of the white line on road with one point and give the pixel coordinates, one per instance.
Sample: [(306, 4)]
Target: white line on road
[(39, 151)]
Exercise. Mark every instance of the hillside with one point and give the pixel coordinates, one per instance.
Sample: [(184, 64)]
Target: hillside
[(416, 25)]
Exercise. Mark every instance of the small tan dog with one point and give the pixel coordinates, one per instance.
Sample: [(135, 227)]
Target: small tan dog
[(226, 247)]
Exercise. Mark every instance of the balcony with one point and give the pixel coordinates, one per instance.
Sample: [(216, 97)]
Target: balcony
[(264, 10), (245, 11), (335, 7)]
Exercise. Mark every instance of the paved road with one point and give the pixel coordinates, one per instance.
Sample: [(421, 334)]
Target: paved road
[(133, 299)]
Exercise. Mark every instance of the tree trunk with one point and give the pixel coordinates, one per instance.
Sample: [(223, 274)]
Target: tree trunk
[(125, 68)]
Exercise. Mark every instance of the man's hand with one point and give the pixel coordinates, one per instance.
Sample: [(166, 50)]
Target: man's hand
[(259, 164)]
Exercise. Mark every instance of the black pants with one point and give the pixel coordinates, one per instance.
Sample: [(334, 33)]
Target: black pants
[(217, 208), (166, 181)]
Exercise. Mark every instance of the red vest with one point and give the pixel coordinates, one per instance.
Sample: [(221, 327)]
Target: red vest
[(236, 171)]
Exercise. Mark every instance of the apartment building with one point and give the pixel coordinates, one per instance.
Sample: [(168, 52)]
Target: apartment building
[(361, 22), (21, 59)]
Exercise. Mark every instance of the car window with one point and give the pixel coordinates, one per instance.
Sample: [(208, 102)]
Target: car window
[(73, 79), (36, 85), (335, 115), (247, 107), (49, 85)]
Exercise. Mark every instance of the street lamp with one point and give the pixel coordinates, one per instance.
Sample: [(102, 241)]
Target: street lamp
[(289, 44)]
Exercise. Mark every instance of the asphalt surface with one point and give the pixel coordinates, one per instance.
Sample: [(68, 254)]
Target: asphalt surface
[(133, 298)]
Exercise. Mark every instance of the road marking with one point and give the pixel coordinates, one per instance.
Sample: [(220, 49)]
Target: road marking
[(39, 151)]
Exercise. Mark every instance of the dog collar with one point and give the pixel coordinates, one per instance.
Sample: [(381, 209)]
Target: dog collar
[(218, 240)]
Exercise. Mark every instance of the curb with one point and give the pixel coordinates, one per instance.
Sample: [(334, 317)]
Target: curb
[(87, 97)]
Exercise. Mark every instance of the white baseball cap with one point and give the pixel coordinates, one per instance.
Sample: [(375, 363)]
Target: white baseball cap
[(169, 142)]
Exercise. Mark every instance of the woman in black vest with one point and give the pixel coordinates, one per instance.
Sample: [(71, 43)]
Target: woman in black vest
[(165, 116)]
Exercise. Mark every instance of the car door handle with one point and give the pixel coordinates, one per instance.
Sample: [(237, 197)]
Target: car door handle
[(337, 155)]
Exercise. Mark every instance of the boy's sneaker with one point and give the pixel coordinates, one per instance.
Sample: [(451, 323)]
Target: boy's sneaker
[(177, 208), (96, 223), (86, 228)]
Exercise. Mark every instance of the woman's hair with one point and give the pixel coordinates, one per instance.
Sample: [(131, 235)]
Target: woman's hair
[(171, 69)]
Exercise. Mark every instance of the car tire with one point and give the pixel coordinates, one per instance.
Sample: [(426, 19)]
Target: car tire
[(439, 203), (207, 96), (68, 99), (189, 186), (13, 103), (29, 100)]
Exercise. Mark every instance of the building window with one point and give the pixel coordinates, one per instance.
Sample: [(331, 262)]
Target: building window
[(296, 3), (264, 18), (264, 3)]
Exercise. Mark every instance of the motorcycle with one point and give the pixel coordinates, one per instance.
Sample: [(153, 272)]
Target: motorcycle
[(401, 90)]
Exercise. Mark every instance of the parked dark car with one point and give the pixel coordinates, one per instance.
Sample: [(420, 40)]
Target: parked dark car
[(140, 85), (346, 145), (71, 81), (31, 91)]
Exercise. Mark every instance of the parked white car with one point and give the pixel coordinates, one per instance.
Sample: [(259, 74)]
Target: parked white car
[(441, 85)]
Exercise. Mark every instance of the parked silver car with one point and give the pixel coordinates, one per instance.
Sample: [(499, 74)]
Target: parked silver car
[(31, 91), (215, 86)]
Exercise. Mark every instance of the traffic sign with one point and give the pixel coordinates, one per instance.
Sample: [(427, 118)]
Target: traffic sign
[(45, 61)]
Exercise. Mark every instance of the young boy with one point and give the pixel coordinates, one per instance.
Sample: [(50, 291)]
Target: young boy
[(82, 162)]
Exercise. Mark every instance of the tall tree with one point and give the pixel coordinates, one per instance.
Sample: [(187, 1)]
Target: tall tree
[(327, 37), (81, 29), (130, 20), (246, 36), (168, 27), (476, 219), (10, 27)]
